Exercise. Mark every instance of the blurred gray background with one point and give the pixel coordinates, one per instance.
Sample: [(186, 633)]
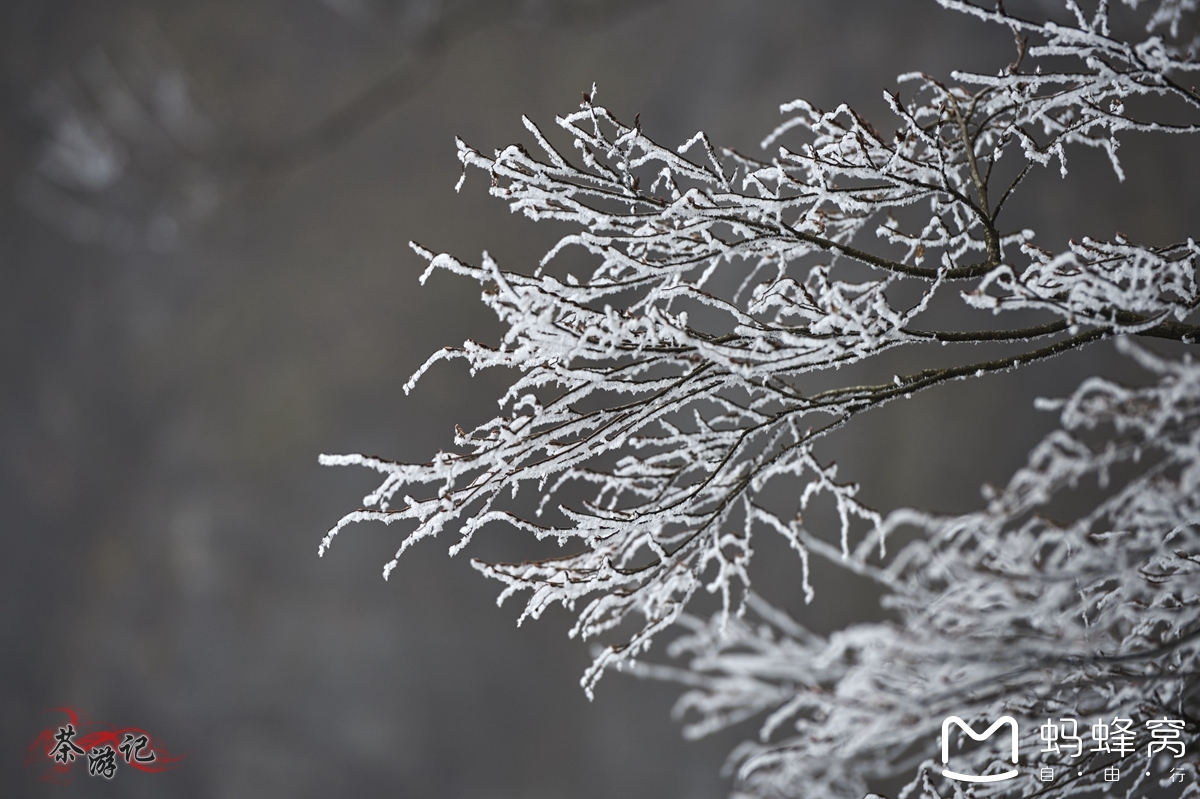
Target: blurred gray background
[(204, 283)]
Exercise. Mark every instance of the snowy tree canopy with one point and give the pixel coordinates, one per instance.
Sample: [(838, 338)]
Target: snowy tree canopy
[(657, 396)]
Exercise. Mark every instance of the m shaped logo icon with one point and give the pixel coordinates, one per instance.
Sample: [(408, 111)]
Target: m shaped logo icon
[(966, 728)]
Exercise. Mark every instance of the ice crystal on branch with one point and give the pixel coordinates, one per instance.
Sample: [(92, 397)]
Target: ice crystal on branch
[(659, 395), (1000, 612)]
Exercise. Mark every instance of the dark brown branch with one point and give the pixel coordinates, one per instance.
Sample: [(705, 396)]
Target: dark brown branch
[(875, 395), (991, 335)]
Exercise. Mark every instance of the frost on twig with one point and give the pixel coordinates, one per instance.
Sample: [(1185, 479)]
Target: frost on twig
[(660, 391), (1005, 611)]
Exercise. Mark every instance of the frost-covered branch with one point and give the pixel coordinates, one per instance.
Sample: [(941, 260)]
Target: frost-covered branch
[(660, 390), (1005, 611)]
